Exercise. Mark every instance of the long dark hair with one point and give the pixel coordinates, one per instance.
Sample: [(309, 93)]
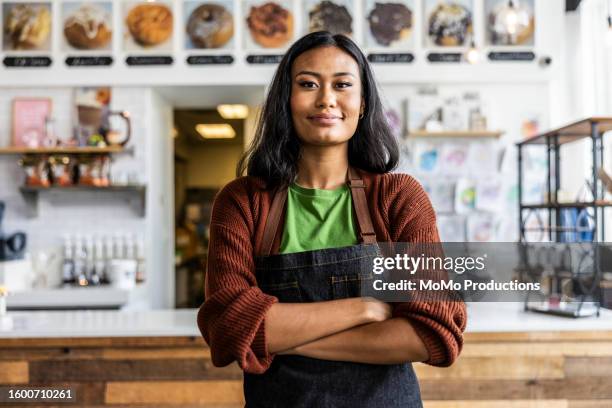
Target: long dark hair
[(274, 153)]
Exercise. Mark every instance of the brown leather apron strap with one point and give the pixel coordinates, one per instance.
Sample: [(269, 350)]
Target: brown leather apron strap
[(274, 216), (364, 221), (360, 203)]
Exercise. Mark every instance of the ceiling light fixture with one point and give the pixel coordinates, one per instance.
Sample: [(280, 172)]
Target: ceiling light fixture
[(215, 130), (472, 55), (235, 111)]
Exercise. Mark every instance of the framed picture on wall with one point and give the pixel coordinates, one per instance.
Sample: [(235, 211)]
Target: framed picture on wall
[(87, 25), (29, 119), (27, 26), (389, 24), (209, 25), (510, 23), (334, 16), (260, 15), (448, 23), (148, 26)]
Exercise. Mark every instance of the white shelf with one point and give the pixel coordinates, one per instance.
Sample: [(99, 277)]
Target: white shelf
[(69, 298)]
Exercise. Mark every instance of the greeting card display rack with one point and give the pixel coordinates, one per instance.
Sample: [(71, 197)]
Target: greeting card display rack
[(556, 228)]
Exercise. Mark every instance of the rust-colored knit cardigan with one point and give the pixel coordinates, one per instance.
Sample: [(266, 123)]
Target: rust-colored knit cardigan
[(232, 319)]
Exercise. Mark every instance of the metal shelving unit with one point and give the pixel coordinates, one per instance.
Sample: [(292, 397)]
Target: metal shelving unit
[(593, 128)]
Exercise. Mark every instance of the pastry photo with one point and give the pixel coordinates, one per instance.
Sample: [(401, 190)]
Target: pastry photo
[(208, 25), (270, 24), (448, 23), (389, 23), (334, 17), (87, 26), (510, 24), (26, 26), (148, 26)]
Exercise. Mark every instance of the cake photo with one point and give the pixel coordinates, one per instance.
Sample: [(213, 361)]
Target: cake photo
[(210, 26), (332, 17), (149, 24), (89, 26), (450, 25), (390, 23), (270, 25), (26, 26)]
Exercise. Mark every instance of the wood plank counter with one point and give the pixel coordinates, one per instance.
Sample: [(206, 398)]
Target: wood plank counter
[(497, 368)]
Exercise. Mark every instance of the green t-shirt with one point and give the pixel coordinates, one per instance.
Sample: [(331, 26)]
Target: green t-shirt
[(318, 219)]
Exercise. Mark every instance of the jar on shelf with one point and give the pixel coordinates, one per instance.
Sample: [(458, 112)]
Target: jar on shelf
[(36, 172), (94, 171), (62, 170)]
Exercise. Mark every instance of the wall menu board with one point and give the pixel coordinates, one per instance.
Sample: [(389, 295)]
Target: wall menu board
[(103, 33)]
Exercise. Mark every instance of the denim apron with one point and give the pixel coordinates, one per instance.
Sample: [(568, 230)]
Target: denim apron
[(316, 276)]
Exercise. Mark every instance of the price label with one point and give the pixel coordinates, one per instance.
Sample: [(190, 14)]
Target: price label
[(27, 62), (382, 58), (89, 61), (210, 59), (149, 60), (511, 56), (444, 57), (264, 59)]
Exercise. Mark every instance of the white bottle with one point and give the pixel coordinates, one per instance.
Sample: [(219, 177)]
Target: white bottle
[(80, 261), (68, 277), (140, 258)]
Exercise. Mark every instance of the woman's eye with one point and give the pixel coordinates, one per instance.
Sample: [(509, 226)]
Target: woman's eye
[(344, 84), (307, 84)]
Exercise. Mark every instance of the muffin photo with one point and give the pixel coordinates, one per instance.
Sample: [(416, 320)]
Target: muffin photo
[(270, 25), (449, 24), (332, 17), (26, 26), (389, 23), (149, 25), (209, 25), (88, 26)]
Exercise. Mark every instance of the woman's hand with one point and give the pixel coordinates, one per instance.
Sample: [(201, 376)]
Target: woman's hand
[(375, 310), (292, 324)]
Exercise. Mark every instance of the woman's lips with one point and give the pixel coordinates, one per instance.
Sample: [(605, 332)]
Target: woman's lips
[(324, 120)]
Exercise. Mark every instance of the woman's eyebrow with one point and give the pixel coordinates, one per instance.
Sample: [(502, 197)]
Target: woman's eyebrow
[(319, 75)]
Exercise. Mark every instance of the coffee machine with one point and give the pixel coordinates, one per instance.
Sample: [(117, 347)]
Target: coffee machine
[(12, 247)]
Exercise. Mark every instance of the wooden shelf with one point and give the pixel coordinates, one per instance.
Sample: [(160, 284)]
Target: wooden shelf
[(457, 134), (598, 203), (572, 132), (63, 150), (30, 193)]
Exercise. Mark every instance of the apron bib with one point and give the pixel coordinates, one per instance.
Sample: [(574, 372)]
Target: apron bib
[(315, 276)]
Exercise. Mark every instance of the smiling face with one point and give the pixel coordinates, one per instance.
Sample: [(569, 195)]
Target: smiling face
[(326, 96)]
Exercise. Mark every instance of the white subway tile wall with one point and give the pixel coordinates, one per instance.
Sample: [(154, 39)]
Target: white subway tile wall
[(74, 212)]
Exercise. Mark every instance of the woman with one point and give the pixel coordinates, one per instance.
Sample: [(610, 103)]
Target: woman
[(288, 243)]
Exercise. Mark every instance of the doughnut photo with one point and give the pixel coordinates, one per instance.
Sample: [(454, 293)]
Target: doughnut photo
[(389, 24), (333, 16), (448, 23), (208, 25), (87, 25), (269, 24), (26, 26), (148, 26)]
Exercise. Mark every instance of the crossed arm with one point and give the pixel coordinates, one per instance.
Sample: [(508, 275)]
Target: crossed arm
[(355, 330)]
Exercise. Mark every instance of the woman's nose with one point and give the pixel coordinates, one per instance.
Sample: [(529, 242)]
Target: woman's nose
[(326, 97)]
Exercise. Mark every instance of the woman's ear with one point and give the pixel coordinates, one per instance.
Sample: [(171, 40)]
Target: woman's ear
[(362, 108)]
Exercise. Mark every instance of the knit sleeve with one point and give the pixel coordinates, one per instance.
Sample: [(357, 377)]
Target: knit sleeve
[(231, 319), (439, 322)]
